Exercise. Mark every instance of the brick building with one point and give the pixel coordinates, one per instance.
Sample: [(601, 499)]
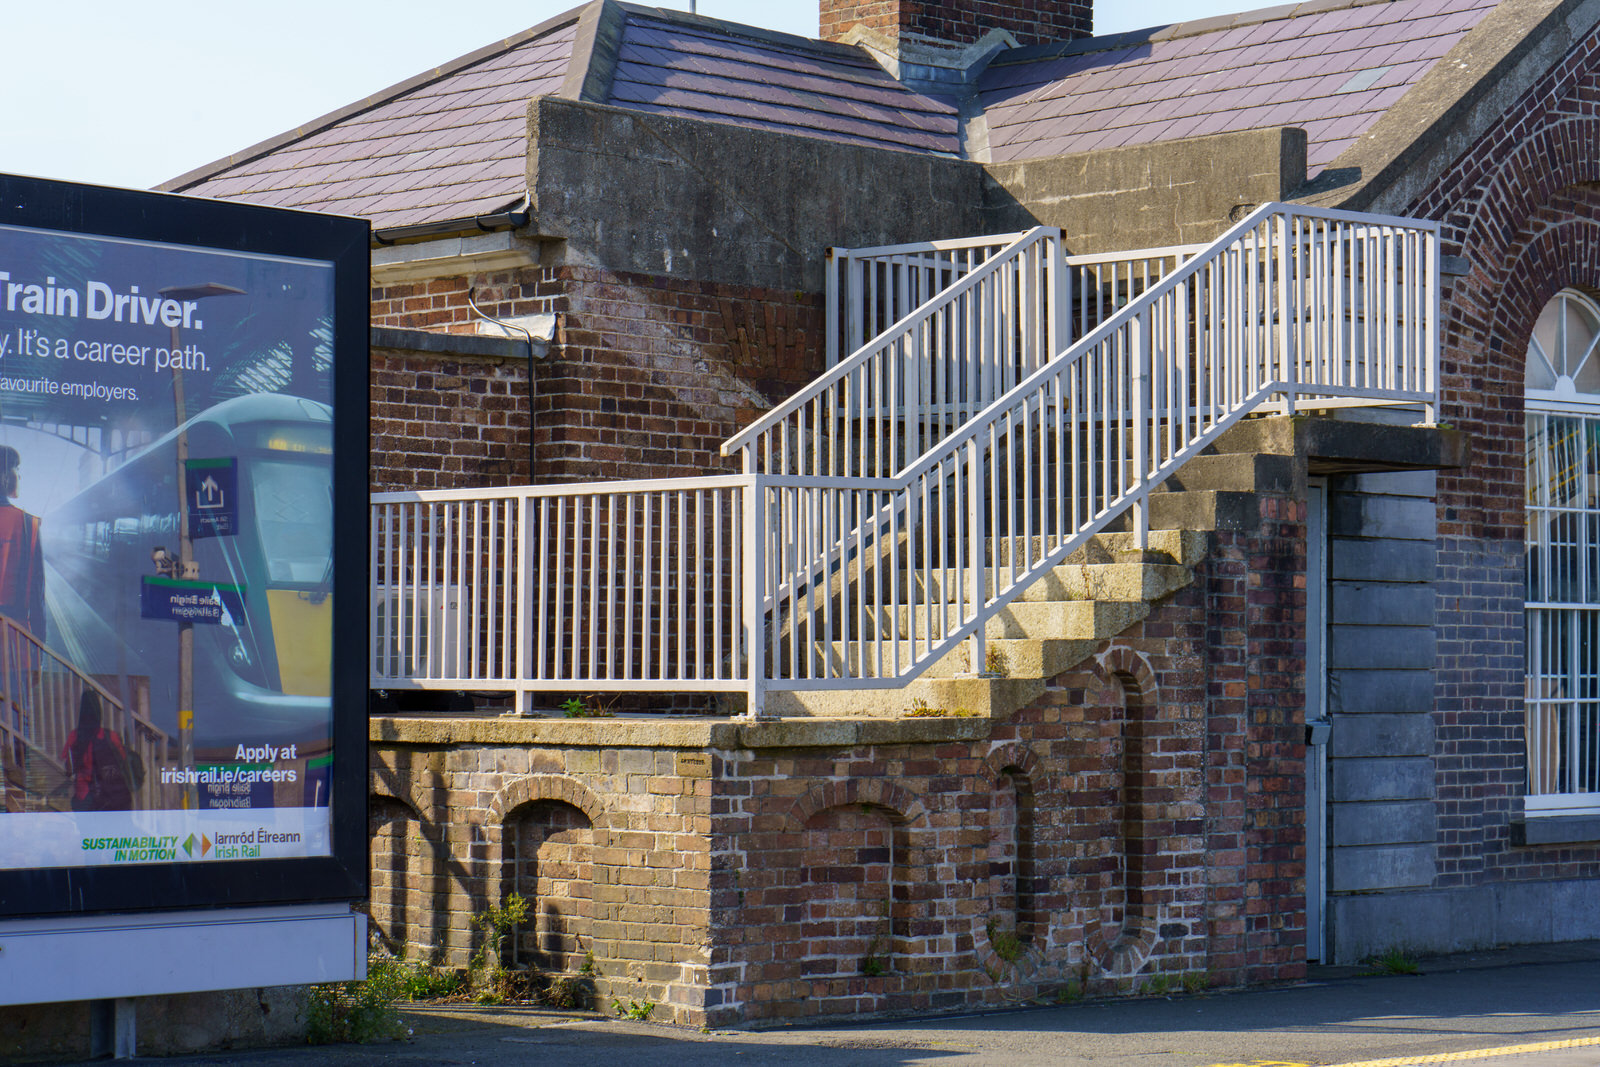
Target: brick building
[(1345, 697)]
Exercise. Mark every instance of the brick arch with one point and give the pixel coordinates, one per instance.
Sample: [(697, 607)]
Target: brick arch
[(1491, 314), (402, 787), (1563, 256), (1012, 754), (536, 787), (1544, 162), (404, 879), (1485, 360), (876, 791), (1121, 665), (1128, 690), (1030, 925)]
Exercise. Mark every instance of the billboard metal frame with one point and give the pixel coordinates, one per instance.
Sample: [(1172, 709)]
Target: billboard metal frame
[(209, 225)]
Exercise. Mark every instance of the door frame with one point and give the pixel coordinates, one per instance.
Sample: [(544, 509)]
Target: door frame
[(1318, 720)]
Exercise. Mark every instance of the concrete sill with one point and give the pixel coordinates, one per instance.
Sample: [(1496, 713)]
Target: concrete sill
[(1555, 830)]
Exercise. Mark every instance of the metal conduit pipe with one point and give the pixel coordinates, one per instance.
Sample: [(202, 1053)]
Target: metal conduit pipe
[(527, 337)]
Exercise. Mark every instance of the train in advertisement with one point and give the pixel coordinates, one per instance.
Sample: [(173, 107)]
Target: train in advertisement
[(261, 661)]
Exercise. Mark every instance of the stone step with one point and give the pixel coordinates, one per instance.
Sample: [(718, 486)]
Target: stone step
[(1270, 436), (1067, 620), (1166, 547), (1028, 658), (1068, 581), (1240, 472), (976, 697), (1198, 510)]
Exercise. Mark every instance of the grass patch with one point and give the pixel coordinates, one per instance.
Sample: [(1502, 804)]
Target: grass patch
[(638, 1010), (1392, 961), (360, 1011), (1006, 944), (920, 710)]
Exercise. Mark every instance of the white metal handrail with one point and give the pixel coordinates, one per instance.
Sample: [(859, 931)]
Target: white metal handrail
[(799, 573), (870, 289), (599, 586), (903, 390), (952, 325), (1292, 304)]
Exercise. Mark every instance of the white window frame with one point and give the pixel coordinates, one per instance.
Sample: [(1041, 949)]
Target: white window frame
[(1569, 664)]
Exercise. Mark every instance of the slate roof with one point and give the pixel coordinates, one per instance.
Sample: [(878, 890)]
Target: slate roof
[(450, 144), (442, 146), (787, 85), (1330, 70)]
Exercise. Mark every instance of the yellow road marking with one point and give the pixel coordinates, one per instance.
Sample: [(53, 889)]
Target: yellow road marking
[(1476, 1054), (1438, 1057)]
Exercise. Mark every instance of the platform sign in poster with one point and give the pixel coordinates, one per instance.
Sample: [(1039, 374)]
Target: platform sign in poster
[(167, 540)]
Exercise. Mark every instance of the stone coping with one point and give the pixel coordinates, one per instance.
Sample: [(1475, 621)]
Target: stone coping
[(674, 732)]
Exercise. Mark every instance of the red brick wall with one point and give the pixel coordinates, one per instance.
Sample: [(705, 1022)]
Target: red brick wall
[(961, 21), (1145, 811), (447, 422), (647, 377), (1521, 206), (1164, 823)]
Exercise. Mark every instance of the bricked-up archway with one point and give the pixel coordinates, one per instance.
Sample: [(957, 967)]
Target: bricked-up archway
[(1015, 924), (855, 919), (404, 871), (547, 826), (1124, 905), (550, 863)]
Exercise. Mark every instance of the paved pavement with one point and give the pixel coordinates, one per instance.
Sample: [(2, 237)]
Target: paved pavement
[(1535, 1007)]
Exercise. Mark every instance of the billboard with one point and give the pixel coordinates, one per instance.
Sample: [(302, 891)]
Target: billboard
[(182, 468)]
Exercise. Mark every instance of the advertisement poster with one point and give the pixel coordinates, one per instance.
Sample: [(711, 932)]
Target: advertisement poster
[(166, 546)]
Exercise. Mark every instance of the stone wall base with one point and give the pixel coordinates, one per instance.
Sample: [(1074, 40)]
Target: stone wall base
[(166, 1026), (1437, 921)]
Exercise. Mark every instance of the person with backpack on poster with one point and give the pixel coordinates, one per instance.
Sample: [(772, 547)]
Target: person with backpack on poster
[(97, 762)]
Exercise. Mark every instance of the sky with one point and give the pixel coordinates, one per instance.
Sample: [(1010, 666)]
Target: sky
[(115, 92)]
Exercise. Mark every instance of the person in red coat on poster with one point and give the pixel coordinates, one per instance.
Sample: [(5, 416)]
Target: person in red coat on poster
[(21, 556), (96, 762), (22, 601)]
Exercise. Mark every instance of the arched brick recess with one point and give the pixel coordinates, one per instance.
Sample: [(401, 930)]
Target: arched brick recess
[(549, 860), (855, 906), (1012, 776), (1122, 934), (404, 871), (534, 787), (572, 848), (874, 791)]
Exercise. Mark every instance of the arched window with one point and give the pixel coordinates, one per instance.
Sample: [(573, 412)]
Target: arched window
[(1563, 558)]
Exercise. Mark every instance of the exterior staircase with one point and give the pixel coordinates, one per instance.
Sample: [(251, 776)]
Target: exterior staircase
[(1019, 466), (1066, 615)]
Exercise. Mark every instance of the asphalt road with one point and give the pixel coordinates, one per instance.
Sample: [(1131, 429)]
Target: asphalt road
[(1458, 1005)]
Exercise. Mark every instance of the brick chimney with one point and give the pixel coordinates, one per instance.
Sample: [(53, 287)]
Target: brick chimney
[(960, 22)]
